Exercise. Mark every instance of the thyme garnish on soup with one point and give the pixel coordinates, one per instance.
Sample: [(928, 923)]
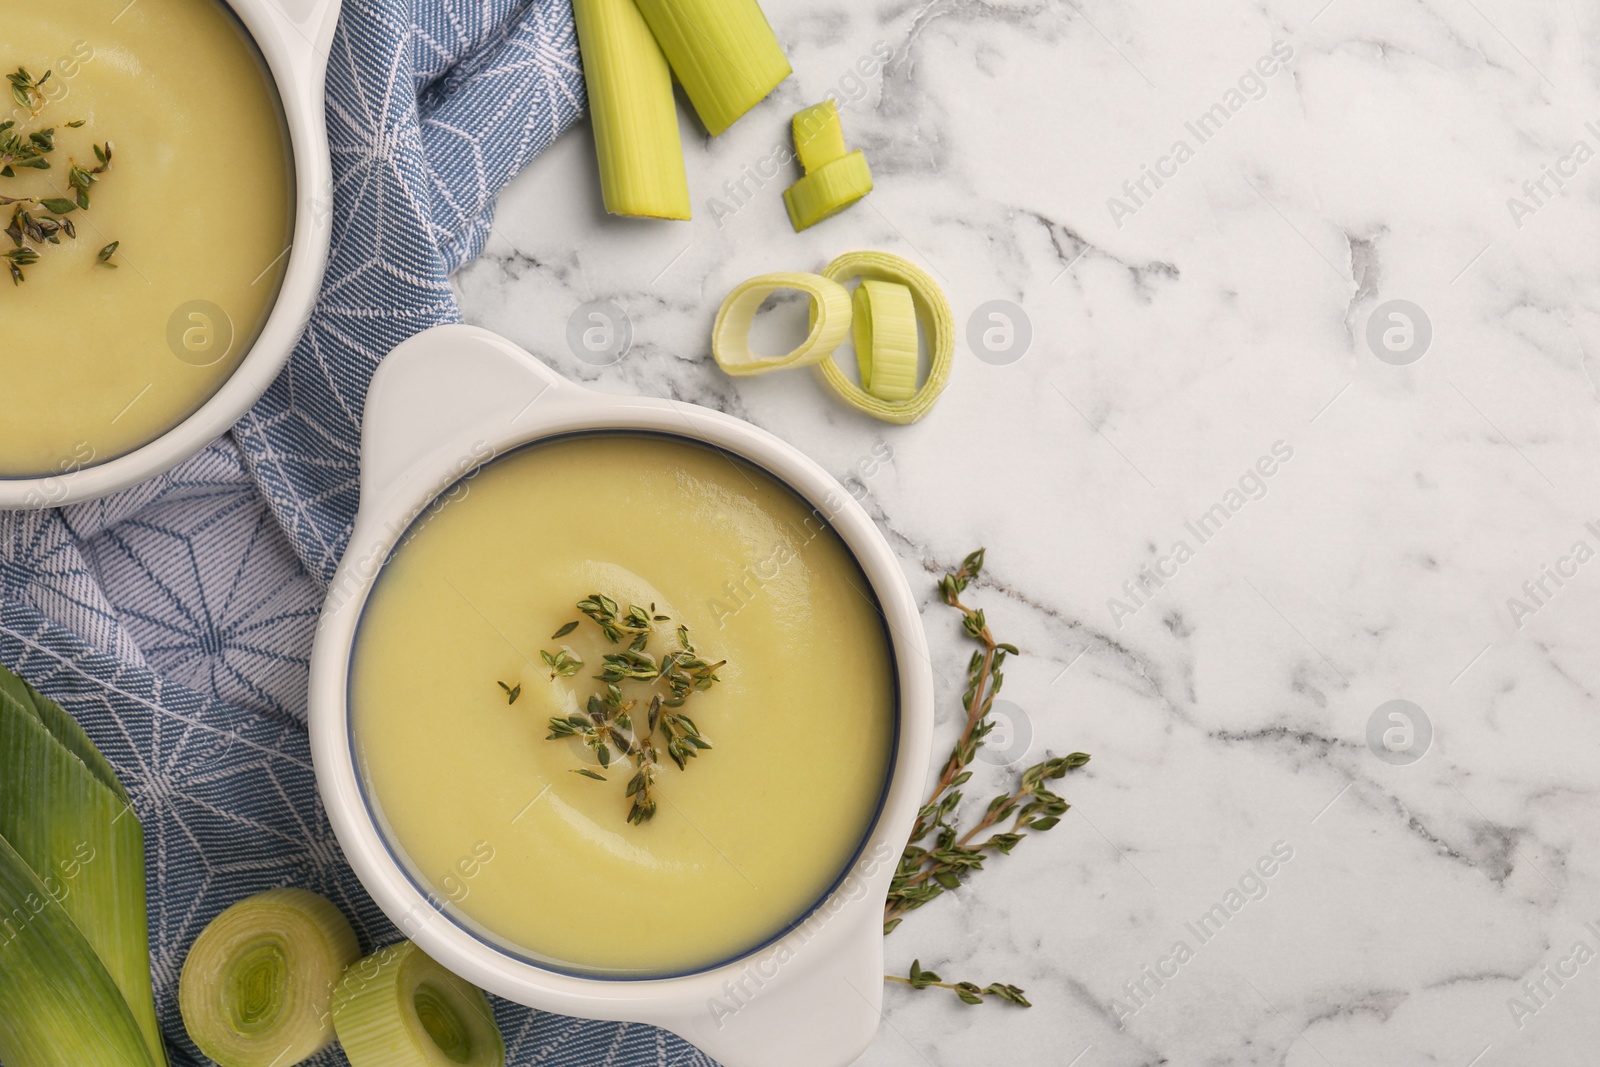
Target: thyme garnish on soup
[(636, 712), (39, 221)]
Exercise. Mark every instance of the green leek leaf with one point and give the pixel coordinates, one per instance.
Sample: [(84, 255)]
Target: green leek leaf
[(67, 818), (58, 1005)]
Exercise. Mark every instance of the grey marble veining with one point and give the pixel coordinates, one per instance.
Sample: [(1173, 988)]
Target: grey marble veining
[(1204, 212)]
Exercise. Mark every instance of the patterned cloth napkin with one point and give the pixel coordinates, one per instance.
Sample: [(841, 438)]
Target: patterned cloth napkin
[(175, 619)]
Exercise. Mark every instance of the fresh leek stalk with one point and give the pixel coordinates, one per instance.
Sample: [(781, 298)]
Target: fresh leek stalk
[(884, 324), (257, 985), (398, 1008), (75, 983), (634, 114), (834, 178), (723, 51)]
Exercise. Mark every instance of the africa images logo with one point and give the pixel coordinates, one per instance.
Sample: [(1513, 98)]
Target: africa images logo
[(1251, 85), (1252, 485)]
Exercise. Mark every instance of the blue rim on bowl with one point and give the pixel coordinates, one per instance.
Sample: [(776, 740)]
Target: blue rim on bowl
[(488, 938)]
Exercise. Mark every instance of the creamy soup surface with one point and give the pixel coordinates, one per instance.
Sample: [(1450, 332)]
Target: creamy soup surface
[(199, 199), (488, 813)]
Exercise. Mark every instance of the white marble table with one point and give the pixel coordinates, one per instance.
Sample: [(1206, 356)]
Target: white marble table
[(1181, 334)]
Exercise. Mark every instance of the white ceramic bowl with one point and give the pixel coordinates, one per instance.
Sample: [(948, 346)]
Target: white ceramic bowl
[(293, 36), (440, 404)]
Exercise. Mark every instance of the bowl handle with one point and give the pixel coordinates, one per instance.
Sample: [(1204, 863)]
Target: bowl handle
[(817, 1005), (438, 389), (311, 21)]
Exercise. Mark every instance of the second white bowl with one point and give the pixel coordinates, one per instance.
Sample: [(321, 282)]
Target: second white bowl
[(439, 405)]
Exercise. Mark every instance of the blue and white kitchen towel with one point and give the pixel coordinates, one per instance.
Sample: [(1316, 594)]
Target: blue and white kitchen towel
[(175, 619)]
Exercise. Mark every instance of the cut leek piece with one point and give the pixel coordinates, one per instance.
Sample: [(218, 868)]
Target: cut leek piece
[(824, 193), (723, 51), (67, 817), (257, 985), (934, 317), (818, 135), (398, 1008), (834, 178), (885, 330), (634, 114), (830, 321), (58, 1005)]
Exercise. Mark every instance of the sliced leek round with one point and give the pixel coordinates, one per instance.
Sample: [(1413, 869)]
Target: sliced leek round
[(398, 1008), (830, 321), (934, 317), (258, 982), (884, 326), (828, 190)]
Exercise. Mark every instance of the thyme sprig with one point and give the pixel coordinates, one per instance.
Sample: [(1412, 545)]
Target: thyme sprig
[(607, 721), (643, 806), (926, 871), (38, 221), (80, 179), (617, 624), (969, 992)]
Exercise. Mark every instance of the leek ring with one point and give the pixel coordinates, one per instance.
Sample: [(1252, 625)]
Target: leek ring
[(257, 984), (828, 190), (830, 321), (933, 315), (399, 1008)]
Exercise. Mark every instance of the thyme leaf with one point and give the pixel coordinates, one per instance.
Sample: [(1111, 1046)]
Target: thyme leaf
[(562, 664)]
